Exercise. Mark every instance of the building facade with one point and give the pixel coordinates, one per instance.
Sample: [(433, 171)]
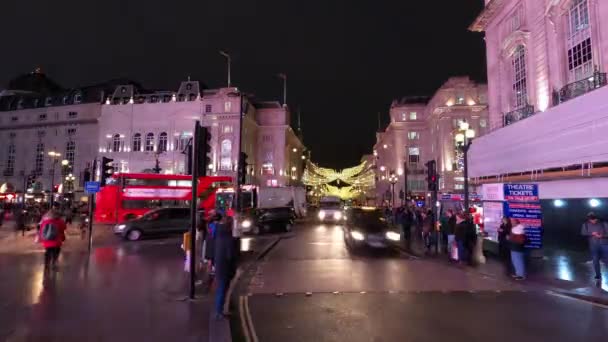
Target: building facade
[(547, 91), (37, 117), (422, 129), (142, 130)]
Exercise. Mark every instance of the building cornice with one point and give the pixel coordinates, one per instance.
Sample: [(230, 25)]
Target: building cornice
[(486, 16), (49, 124)]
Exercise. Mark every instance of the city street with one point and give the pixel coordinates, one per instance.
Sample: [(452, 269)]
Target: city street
[(125, 291), (309, 288)]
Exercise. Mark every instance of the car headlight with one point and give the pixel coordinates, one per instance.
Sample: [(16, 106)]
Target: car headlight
[(246, 224), (321, 214), (393, 236), (337, 215), (357, 236), (121, 227)]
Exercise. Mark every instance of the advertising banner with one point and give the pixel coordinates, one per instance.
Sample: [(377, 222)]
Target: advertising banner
[(523, 203)]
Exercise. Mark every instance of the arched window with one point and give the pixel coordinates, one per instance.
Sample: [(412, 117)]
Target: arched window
[(149, 142), (137, 142), (162, 142), (70, 153), (226, 155), (116, 143)]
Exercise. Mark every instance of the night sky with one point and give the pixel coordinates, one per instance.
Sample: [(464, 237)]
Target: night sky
[(345, 60)]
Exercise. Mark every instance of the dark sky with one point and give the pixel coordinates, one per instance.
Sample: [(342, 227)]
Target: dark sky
[(345, 60)]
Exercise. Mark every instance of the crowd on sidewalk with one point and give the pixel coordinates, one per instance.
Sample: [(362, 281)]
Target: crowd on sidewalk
[(455, 234)]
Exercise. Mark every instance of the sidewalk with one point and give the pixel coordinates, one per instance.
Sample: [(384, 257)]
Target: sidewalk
[(567, 272)]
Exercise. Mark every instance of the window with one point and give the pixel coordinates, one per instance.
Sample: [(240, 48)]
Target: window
[(70, 152), (267, 138), (459, 98), (14, 118), (456, 122), (208, 108), (136, 142), (226, 155), (227, 129), (72, 115), (268, 156), (413, 116), (515, 21), (578, 45), (71, 132), (149, 142), (459, 186), (403, 116), (41, 134), (10, 160), (227, 106), (39, 159), (520, 89), (414, 154), (413, 135), (483, 123), (162, 142), (41, 117), (116, 143)]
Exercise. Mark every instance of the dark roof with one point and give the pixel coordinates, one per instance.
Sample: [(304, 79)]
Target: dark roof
[(412, 100), (35, 82)]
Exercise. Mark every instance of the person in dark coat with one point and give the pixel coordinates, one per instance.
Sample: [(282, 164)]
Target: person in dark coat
[(504, 250), (460, 234), (225, 257)]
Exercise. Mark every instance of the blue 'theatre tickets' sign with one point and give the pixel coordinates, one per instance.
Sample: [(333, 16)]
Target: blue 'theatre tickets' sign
[(523, 203)]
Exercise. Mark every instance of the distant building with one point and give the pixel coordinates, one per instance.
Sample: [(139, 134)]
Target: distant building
[(121, 120), (137, 128), (422, 129), (38, 116), (547, 63)]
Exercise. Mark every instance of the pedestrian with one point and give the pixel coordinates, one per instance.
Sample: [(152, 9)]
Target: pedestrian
[(460, 231), (407, 225), (225, 256), (427, 230), (20, 216), (504, 251), (471, 239), (517, 240), (448, 226), (596, 231), (68, 214), (51, 235)]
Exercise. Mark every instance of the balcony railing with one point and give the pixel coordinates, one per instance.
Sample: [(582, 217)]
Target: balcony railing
[(578, 88), (518, 114)]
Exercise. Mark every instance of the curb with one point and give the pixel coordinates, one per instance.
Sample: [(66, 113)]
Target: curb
[(586, 298), (225, 330)]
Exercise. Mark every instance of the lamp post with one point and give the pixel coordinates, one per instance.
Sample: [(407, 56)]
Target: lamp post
[(393, 179), (464, 139), (229, 62), (242, 112)]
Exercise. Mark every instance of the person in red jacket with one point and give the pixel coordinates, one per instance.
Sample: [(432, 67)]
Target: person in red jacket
[(51, 235)]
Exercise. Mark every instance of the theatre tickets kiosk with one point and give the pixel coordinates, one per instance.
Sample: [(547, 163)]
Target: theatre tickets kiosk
[(519, 201)]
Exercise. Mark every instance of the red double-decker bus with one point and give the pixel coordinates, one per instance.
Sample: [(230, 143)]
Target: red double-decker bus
[(129, 195)]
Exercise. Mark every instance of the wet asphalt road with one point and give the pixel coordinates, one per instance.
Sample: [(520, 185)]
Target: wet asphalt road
[(309, 288), (125, 291)]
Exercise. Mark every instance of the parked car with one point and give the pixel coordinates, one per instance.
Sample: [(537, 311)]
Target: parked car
[(162, 221), (367, 227), (268, 219)]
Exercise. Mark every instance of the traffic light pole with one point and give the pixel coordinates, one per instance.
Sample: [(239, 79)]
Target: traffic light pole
[(91, 208), (193, 204)]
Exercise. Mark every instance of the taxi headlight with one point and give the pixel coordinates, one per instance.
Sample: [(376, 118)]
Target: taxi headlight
[(321, 214), (246, 224), (357, 235), (393, 236), (337, 215)]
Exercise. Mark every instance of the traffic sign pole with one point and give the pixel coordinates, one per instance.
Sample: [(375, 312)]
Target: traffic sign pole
[(92, 204)]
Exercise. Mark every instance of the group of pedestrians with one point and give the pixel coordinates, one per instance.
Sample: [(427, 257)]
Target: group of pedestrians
[(220, 252)]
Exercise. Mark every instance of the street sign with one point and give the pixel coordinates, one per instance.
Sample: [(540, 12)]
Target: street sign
[(91, 187)]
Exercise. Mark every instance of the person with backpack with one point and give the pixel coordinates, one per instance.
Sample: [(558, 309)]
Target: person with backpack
[(51, 235), (597, 233)]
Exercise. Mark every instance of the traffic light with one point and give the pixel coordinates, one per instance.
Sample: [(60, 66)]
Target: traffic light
[(203, 148), (242, 168), (107, 169), (431, 175)]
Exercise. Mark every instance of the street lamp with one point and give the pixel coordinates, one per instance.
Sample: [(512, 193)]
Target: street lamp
[(464, 139), (393, 179), (229, 62), (242, 113), (69, 181)]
